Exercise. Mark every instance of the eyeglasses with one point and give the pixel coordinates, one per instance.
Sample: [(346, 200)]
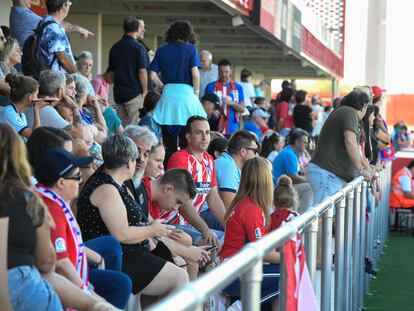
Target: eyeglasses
[(77, 177), (255, 150)]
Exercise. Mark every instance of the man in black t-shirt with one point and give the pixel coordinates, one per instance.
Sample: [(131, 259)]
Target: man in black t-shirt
[(128, 61), (302, 113)]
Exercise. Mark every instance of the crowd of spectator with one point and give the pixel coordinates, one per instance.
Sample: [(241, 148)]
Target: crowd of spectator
[(102, 200)]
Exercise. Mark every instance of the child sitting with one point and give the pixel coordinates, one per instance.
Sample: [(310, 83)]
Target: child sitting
[(285, 199)]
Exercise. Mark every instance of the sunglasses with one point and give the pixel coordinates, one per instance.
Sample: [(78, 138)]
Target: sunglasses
[(77, 177), (255, 150)]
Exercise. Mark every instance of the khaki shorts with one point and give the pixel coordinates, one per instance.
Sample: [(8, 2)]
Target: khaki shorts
[(129, 112)]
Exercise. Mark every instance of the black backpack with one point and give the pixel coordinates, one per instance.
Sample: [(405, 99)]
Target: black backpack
[(33, 63)]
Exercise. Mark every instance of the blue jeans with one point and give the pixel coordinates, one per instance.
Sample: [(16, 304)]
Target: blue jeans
[(322, 182), (211, 221), (29, 291), (110, 249), (196, 235), (112, 284)]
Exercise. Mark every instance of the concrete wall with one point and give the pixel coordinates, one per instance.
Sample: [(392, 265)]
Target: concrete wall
[(92, 22), (376, 36), (5, 6)]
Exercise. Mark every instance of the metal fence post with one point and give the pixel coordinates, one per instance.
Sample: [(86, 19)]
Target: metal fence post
[(363, 222), (339, 255), (326, 278), (311, 240), (251, 284), (348, 249), (370, 237), (282, 282), (356, 262)]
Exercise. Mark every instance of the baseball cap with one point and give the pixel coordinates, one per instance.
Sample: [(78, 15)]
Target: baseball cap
[(377, 91), (56, 163), (260, 113), (213, 98)]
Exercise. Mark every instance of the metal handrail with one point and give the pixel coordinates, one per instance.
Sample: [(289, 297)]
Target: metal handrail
[(192, 295)]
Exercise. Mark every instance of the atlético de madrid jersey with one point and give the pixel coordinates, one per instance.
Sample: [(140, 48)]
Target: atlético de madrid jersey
[(204, 176)]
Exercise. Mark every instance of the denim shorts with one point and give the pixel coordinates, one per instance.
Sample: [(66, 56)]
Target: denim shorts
[(29, 291), (323, 182)]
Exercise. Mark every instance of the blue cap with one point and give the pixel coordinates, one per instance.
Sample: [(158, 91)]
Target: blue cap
[(56, 163)]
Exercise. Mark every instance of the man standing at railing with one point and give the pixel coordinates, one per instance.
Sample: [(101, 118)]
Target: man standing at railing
[(402, 192), (337, 158)]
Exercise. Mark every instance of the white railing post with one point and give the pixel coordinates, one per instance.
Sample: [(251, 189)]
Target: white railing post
[(339, 255), (356, 258), (362, 250), (348, 249), (326, 278), (282, 282), (311, 241), (251, 282)]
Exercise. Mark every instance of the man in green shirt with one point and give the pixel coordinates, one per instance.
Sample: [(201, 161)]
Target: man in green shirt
[(337, 157)]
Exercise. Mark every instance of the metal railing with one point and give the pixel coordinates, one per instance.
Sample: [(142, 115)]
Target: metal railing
[(357, 234)]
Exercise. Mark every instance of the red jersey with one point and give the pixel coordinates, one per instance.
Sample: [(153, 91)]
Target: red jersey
[(280, 216), (66, 236), (245, 224), (204, 176), (153, 208), (283, 111)]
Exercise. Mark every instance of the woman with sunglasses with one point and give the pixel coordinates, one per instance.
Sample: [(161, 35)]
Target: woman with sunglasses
[(23, 93)]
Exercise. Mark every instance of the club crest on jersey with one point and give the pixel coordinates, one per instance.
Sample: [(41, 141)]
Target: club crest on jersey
[(60, 245), (258, 233)]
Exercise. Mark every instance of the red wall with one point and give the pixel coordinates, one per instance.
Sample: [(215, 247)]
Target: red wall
[(400, 108)]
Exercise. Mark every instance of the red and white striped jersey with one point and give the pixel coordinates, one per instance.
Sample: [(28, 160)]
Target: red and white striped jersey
[(204, 176)]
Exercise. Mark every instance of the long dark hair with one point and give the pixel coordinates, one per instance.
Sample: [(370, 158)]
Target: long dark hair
[(366, 133), (295, 135), (285, 95), (355, 99), (268, 144), (181, 31)]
